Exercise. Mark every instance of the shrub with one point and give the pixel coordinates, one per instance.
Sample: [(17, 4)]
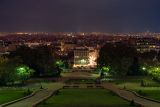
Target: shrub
[(56, 92), (142, 83), (132, 103), (44, 102), (27, 92), (140, 92)]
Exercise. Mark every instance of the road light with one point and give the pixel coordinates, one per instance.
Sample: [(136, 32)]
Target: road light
[(143, 68), (157, 68)]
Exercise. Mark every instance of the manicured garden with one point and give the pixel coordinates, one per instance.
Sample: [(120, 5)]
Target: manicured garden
[(8, 95), (85, 98), (144, 86)]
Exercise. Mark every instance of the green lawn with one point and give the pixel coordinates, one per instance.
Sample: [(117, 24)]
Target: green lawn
[(151, 90), (150, 93), (9, 95), (85, 98)]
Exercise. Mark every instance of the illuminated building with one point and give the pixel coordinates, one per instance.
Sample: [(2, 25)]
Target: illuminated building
[(93, 55), (81, 58), (147, 45), (85, 58)]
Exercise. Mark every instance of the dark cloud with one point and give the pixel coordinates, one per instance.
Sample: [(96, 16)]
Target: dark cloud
[(80, 15)]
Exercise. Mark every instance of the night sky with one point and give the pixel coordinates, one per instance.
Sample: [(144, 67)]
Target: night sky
[(79, 15)]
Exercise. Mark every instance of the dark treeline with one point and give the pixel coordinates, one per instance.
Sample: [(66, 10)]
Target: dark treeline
[(124, 60), (40, 58), (25, 62)]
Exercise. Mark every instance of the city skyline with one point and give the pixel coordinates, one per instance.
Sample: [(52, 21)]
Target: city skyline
[(79, 16)]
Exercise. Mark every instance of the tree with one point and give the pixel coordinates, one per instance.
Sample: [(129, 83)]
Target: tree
[(104, 71), (59, 63), (117, 56), (59, 70), (24, 73), (135, 69), (149, 58), (8, 71), (158, 56), (3, 71), (39, 58), (154, 71)]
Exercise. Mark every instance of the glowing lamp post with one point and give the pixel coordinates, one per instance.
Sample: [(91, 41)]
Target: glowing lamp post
[(143, 68)]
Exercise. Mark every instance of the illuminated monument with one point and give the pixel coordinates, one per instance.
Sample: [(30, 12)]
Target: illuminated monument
[(85, 58)]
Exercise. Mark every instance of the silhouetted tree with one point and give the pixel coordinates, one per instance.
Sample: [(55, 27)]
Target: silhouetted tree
[(39, 58), (134, 69), (9, 72), (148, 58), (117, 56)]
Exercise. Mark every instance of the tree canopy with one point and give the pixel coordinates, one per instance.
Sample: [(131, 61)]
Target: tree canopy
[(11, 71), (119, 57), (39, 58)]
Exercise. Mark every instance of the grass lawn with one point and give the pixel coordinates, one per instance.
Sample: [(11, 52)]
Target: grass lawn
[(9, 95), (150, 93), (85, 98), (151, 90)]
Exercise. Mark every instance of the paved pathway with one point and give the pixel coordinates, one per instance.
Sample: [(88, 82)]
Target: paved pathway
[(129, 95), (38, 96)]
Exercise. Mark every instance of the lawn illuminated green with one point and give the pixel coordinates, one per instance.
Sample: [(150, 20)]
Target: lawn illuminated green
[(151, 90), (150, 93), (9, 95), (85, 98)]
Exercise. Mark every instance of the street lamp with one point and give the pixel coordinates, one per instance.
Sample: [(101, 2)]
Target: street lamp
[(143, 68)]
